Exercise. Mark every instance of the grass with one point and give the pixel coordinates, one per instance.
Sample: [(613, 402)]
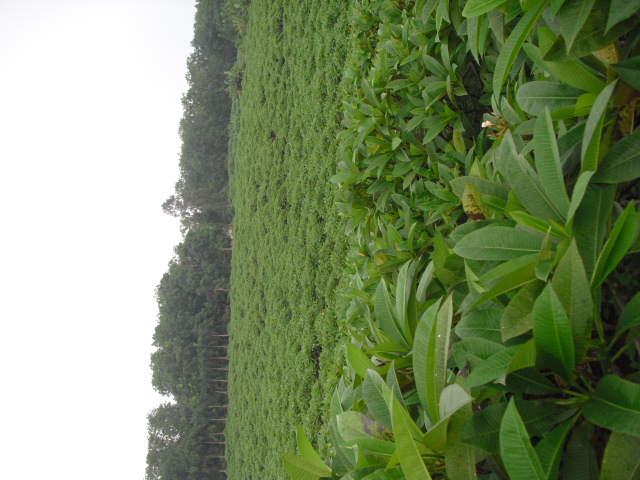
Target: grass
[(289, 244)]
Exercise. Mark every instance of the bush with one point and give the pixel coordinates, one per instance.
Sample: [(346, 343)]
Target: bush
[(489, 179)]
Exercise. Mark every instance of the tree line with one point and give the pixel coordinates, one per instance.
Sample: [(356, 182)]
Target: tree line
[(189, 364)]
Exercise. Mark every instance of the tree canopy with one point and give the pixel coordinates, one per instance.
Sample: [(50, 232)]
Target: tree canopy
[(189, 364)]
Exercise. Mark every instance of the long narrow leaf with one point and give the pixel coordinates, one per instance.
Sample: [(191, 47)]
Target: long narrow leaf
[(590, 223), (619, 241), (630, 316), (534, 97), (513, 45), (549, 449), (593, 129), (442, 337), (387, 316), (548, 162), (309, 453), (498, 243), (375, 392), (518, 455), (475, 8), (572, 17), (424, 363), (622, 162), (301, 469), (571, 72), (517, 318), (552, 331), (412, 465), (459, 458), (571, 285)]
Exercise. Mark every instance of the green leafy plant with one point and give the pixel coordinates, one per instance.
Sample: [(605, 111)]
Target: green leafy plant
[(489, 181)]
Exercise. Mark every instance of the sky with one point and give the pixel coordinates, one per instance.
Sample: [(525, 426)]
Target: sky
[(89, 110)]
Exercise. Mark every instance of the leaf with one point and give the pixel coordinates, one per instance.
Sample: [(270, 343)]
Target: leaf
[(404, 286), (387, 316), (472, 37), (591, 37), (529, 190), (472, 203), (511, 281), (590, 223), (475, 8), (480, 323), (553, 335), (410, 460), (618, 243), (352, 425), (530, 381), (630, 316), (498, 243), (424, 363), (301, 469), (452, 399), (549, 449), (359, 360), (621, 459), (493, 368), (474, 350), (579, 461), (459, 458), (375, 392), (621, 10), (509, 267), (482, 430), (518, 455), (440, 254), (571, 72), (308, 453), (517, 318), (571, 285), (534, 97), (615, 405), (622, 162), (442, 331), (512, 47), (593, 129), (484, 186), (425, 281), (547, 158), (525, 357), (572, 16), (579, 190), (463, 230), (392, 378)]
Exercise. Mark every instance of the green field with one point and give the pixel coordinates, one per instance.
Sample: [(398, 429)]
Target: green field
[(473, 314), (289, 245)]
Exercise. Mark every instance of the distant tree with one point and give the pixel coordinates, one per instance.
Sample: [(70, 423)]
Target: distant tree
[(189, 363)]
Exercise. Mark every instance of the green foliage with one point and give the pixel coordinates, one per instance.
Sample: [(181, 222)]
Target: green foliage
[(488, 180), (289, 249), (190, 363), (200, 193)]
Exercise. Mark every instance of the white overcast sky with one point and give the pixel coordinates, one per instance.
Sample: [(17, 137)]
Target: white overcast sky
[(89, 110)]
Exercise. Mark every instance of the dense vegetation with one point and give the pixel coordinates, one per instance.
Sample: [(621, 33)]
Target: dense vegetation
[(489, 178), (288, 249), (481, 316)]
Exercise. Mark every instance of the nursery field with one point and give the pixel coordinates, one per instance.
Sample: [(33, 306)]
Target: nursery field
[(289, 246), (475, 313)]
